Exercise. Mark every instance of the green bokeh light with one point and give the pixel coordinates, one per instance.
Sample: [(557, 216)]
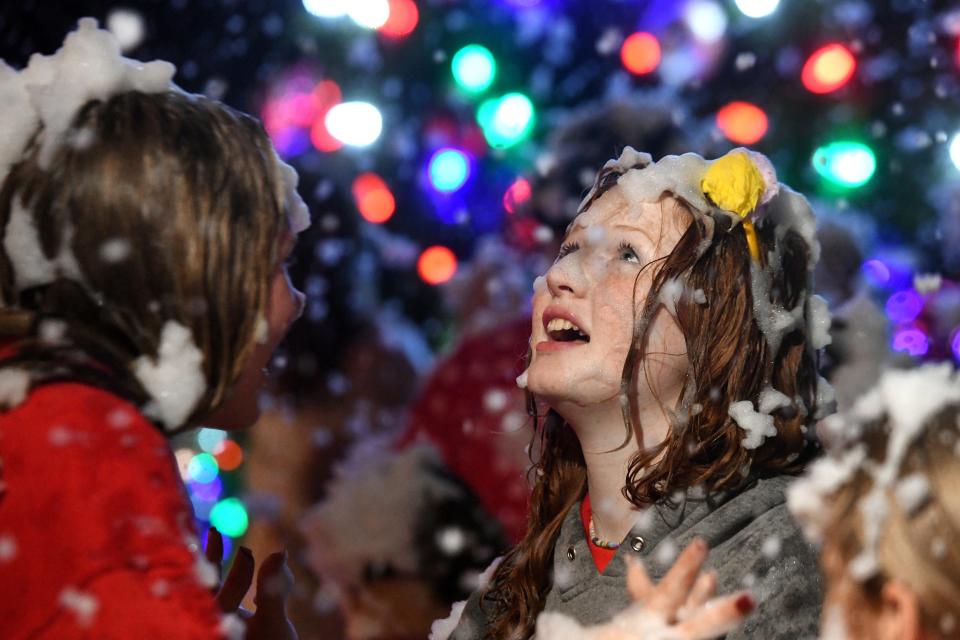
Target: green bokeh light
[(845, 163), (203, 468), (507, 120), (474, 68), (229, 516)]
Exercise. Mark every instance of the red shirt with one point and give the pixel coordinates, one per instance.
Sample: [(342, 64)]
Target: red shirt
[(601, 555), (96, 532)]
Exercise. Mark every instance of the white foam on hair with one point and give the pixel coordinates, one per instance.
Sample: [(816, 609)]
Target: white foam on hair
[(770, 400), (773, 320), (676, 175), (908, 399), (756, 425), (818, 323), (51, 89), (298, 215), (175, 379)]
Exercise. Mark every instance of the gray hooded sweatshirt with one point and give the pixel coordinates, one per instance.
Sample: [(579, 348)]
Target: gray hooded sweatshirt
[(753, 541)]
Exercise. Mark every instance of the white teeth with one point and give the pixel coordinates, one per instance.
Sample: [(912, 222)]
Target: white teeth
[(560, 324)]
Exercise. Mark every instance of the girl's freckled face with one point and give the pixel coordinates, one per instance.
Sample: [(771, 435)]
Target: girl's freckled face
[(598, 284)]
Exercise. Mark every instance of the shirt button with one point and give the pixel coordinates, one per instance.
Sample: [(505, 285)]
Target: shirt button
[(637, 544), (571, 554)]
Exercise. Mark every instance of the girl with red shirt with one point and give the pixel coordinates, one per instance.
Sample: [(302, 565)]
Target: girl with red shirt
[(143, 286)]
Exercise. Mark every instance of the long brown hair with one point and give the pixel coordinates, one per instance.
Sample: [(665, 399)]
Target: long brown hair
[(169, 208), (703, 447)]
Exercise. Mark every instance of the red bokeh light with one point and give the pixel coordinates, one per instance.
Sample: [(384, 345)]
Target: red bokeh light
[(325, 95), (436, 265), (828, 68), (742, 122), (373, 197), (403, 19), (640, 53), (516, 194), (228, 454)]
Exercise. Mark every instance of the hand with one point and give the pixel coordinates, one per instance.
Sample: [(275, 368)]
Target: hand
[(680, 607), (274, 582)]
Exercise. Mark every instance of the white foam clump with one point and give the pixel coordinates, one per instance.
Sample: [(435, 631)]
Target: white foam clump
[(770, 400), (297, 212), (443, 628), (678, 175), (670, 294), (773, 320), (51, 89), (633, 623), (14, 385), (83, 605), (757, 425), (912, 492), (8, 545), (381, 492), (174, 380), (232, 627), (808, 497), (31, 266), (818, 322), (522, 379)]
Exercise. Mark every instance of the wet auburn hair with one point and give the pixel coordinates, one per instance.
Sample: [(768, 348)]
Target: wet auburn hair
[(917, 547), (190, 193), (703, 447)]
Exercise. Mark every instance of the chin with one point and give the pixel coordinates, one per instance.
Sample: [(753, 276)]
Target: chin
[(558, 389)]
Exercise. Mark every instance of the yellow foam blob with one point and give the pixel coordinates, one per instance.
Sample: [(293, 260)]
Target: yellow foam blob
[(734, 183)]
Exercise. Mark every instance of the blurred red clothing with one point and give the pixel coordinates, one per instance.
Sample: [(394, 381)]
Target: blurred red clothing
[(472, 410), (96, 532)]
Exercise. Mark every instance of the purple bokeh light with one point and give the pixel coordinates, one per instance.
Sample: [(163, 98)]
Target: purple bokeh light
[(904, 306), (912, 341)]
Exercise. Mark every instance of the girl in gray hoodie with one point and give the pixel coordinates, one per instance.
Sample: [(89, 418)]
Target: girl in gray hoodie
[(672, 379)]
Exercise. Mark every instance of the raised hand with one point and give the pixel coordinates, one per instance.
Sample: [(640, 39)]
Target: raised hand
[(680, 607), (274, 583)]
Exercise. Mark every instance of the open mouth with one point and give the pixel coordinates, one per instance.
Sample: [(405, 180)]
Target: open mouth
[(562, 330)]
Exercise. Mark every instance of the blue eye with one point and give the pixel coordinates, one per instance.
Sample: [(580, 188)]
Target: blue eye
[(627, 252)]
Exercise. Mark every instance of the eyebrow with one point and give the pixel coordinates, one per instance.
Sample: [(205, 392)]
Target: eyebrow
[(634, 229)]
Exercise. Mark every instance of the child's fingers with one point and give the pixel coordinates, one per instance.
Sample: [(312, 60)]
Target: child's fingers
[(675, 586), (274, 582), (214, 551), (703, 590), (237, 582), (717, 618), (639, 585)]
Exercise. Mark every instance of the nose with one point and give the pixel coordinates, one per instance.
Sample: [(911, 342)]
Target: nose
[(300, 303), (565, 276)]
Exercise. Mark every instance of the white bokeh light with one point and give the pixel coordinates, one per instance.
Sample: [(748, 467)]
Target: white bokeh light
[(326, 8), (706, 20), (357, 124), (955, 150), (127, 26), (757, 8), (371, 14)]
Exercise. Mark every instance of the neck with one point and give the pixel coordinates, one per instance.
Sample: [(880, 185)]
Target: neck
[(601, 432)]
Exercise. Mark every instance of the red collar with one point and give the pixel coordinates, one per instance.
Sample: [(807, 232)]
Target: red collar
[(601, 555)]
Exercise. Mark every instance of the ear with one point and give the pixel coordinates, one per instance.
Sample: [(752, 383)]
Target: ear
[(899, 613)]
